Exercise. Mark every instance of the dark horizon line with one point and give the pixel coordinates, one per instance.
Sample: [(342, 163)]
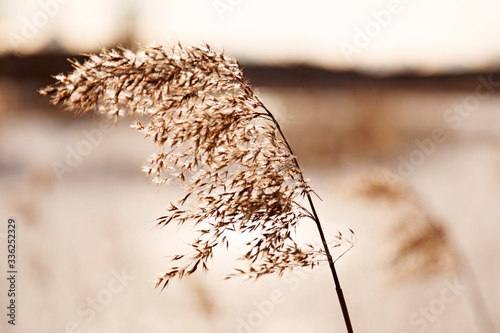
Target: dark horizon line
[(43, 66)]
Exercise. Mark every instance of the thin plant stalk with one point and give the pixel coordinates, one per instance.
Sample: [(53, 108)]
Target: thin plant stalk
[(232, 159), (484, 321), (340, 294), (427, 239), (331, 262)]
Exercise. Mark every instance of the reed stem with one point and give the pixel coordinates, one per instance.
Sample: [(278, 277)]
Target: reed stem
[(340, 294)]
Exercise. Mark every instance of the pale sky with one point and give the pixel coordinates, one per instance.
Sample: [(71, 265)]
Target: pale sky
[(363, 34)]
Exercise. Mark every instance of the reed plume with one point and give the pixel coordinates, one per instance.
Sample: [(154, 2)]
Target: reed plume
[(419, 245), (218, 140), (416, 244)]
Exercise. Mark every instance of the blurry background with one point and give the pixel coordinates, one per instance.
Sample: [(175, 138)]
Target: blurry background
[(392, 108)]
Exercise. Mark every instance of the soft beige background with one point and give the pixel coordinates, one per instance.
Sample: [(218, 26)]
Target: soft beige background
[(399, 34), (77, 234), (87, 249)]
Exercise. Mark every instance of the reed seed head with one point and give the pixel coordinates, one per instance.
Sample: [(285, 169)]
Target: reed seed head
[(419, 246), (416, 245), (215, 137)]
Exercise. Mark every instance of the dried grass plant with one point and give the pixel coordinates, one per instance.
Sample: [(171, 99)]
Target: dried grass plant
[(417, 244), (219, 141)]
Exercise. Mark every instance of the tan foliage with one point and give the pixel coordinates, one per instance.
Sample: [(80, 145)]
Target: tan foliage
[(215, 136), (415, 243)]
